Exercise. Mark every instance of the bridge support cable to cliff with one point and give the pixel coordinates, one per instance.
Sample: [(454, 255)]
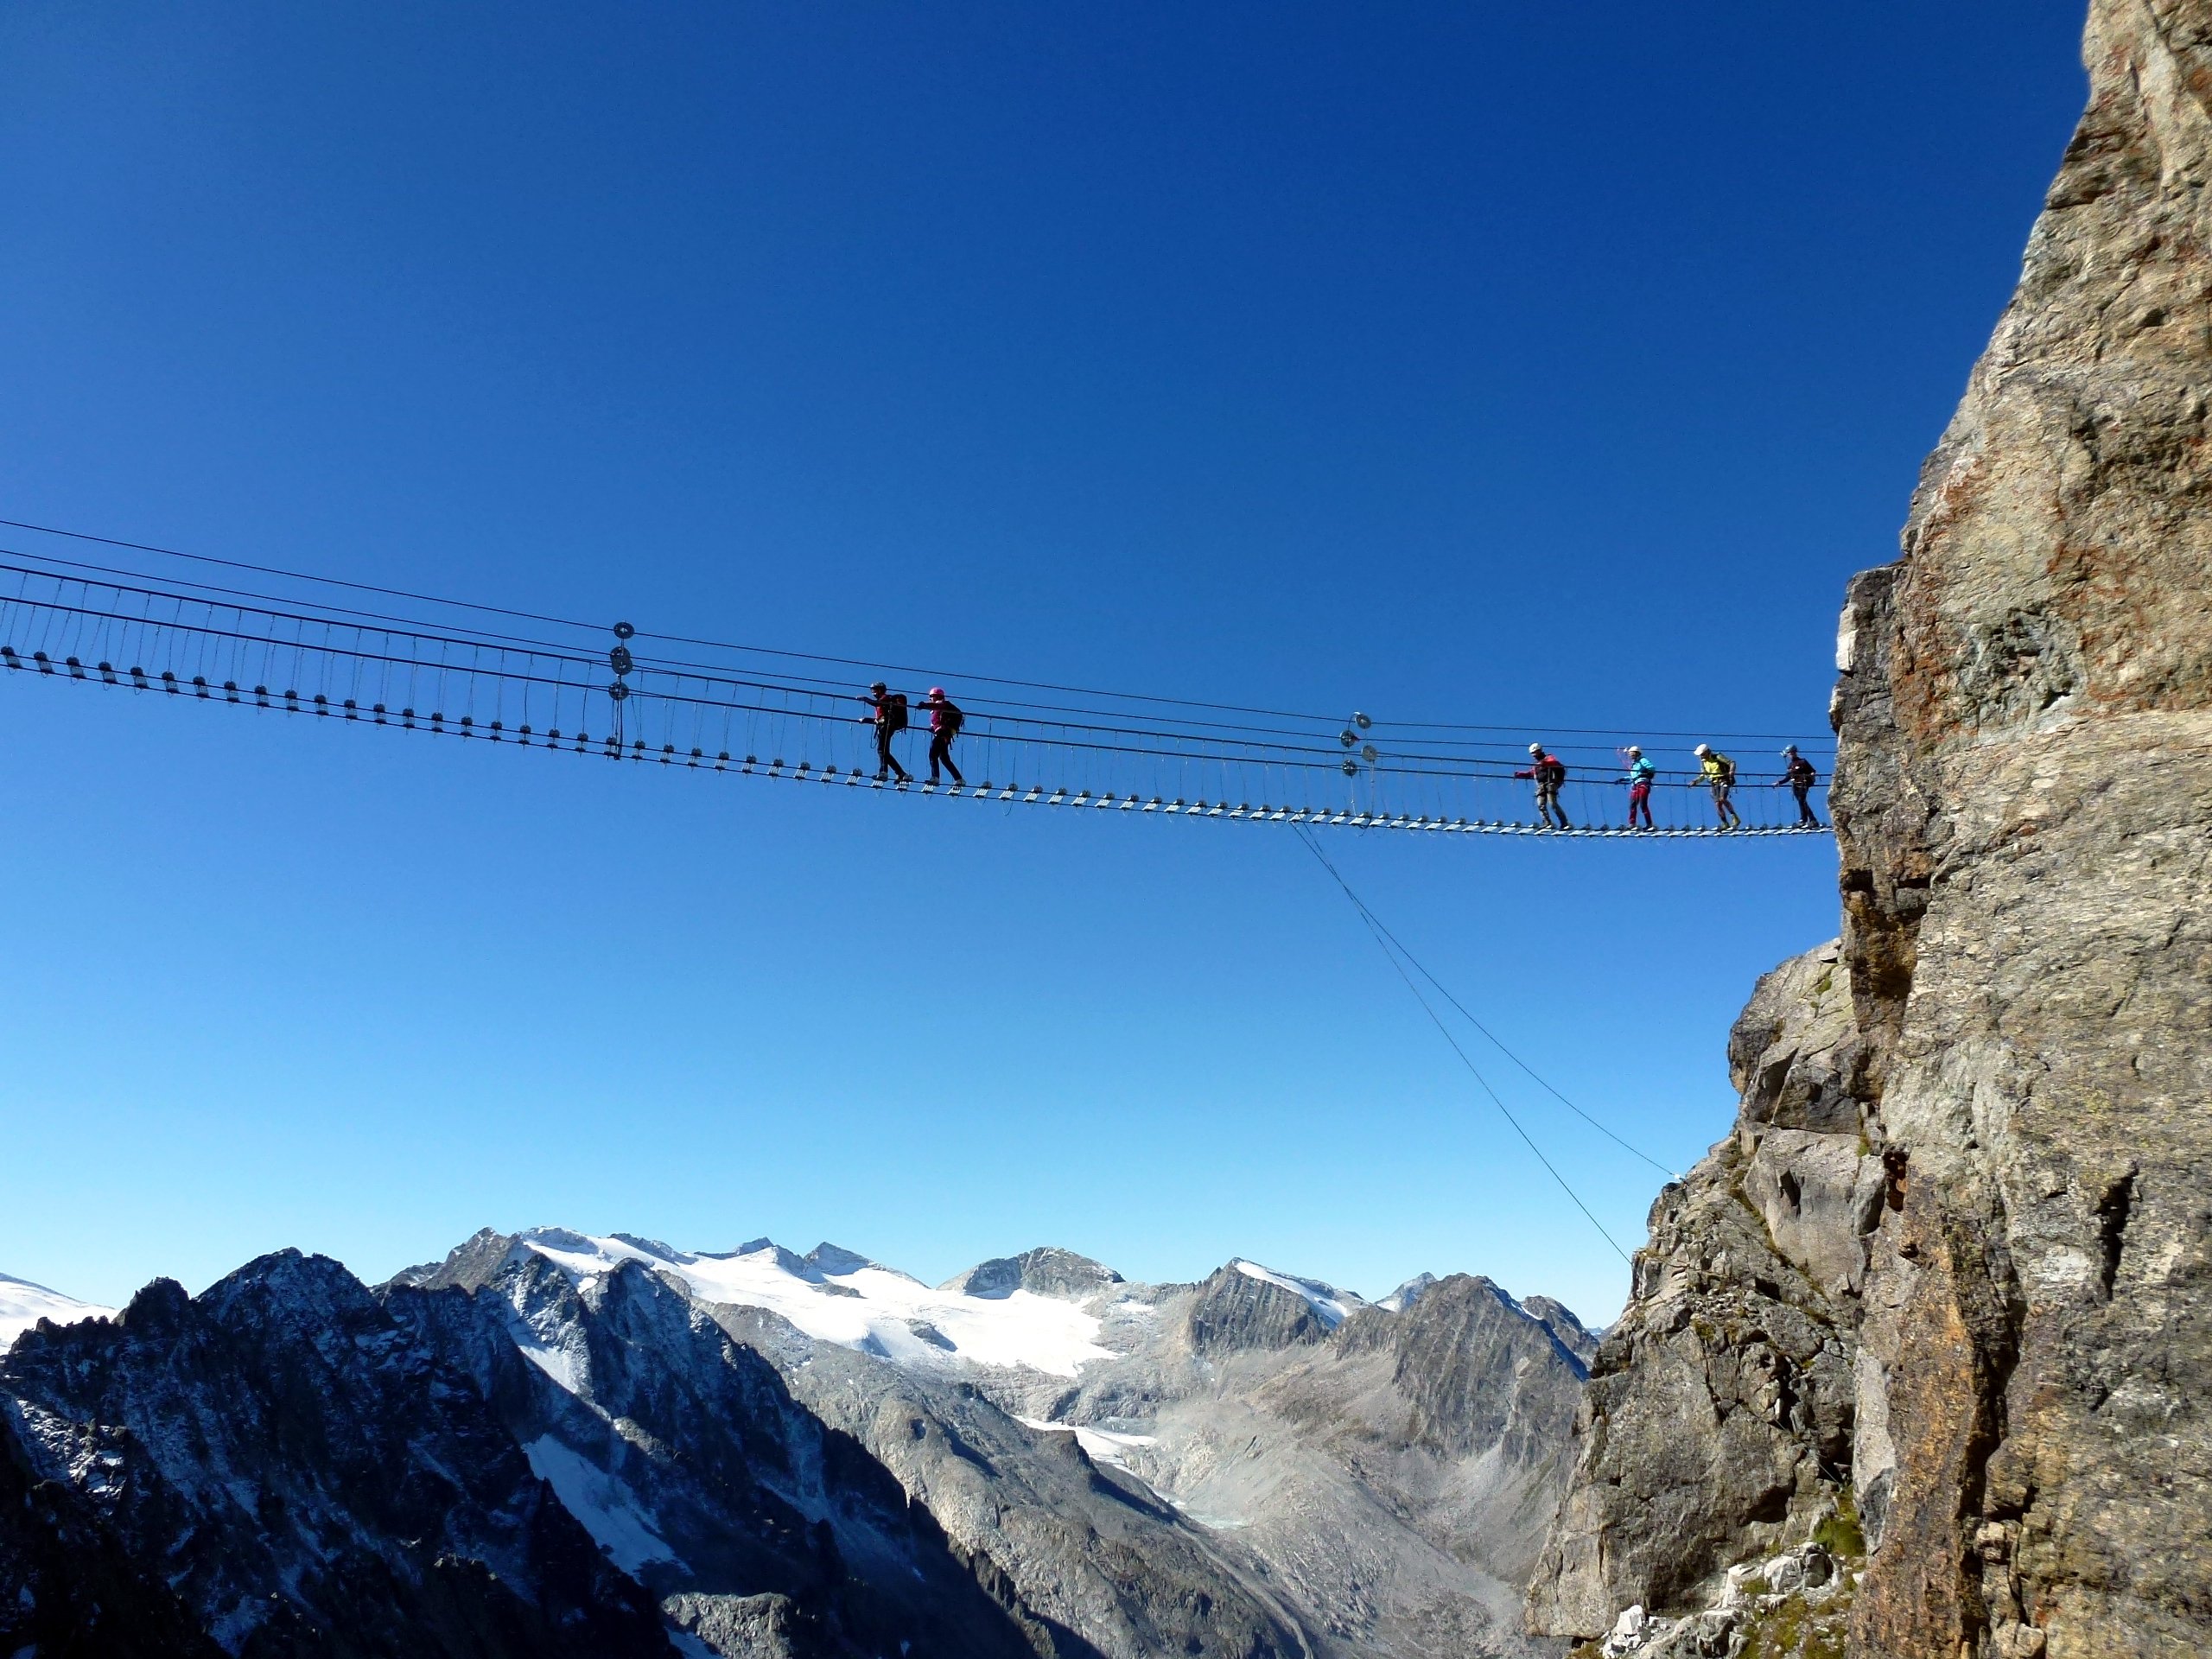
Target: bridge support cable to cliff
[(1396, 948), (1383, 942), (400, 661)]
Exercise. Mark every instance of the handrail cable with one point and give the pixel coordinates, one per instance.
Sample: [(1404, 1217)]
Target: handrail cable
[(418, 629), (818, 657)]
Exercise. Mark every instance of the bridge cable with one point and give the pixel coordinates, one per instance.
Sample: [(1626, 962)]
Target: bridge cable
[(855, 662), (1506, 1112), (1495, 1041)]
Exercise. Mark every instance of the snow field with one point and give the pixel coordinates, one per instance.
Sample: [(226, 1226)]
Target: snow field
[(24, 1304), (869, 1308)]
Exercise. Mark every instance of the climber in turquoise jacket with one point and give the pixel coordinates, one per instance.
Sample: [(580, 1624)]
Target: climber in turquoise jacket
[(1640, 771)]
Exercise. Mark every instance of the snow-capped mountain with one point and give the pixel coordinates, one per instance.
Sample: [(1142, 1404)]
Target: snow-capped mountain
[(24, 1304), (833, 1296), (794, 1457), (1333, 1306)]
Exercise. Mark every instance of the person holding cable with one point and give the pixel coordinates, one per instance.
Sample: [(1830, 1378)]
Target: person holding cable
[(1797, 772), (888, 714), (1640, 771), (1549, 772), (945, 721), (1719, 774)]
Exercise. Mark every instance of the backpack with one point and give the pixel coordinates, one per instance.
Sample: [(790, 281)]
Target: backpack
[(952, 720), (1800, 772), (1728, 768), (1551, 770), (894, 712)]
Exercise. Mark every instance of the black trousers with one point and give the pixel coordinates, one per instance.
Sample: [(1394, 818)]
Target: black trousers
[(1804, 807), (941, 755), (884, 759)]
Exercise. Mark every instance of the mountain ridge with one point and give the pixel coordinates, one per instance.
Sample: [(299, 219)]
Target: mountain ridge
[(818, 1456)]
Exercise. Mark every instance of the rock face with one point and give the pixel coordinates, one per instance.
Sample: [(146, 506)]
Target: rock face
[(1047, 1271), (1955, 1262), (1718, 1423), (1385, 1473), (304, 1478), (72, 1588), (1234, 1311)]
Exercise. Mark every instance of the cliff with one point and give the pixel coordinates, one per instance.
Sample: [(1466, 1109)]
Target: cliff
[(1953, 1266)]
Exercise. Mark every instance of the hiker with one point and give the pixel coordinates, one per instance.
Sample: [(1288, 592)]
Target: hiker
[(1719, 774), (945, 721), (1640, 771), (887, 713), (1797, 772), (1549, 772)]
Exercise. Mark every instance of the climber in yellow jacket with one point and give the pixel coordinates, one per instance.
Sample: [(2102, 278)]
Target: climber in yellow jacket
[(1719, 774)]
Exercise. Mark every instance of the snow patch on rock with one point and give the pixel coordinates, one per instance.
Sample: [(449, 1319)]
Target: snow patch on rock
[(602, 1504), (1333, 1306), (24, 1304)]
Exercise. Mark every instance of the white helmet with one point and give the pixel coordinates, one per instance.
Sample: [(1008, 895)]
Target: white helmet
[(1702, 749), (1632, 749), (1536, 749)]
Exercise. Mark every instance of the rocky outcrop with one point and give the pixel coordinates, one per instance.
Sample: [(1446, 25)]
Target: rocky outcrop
[(1979, 1176), (306, 1478), (1385, 1471), (1045, 1271), (1235, 1311), (1718, 1423), (751, 1627), (697, 1471), (69, 1587)]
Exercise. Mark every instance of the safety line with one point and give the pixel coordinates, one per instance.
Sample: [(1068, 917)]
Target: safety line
[(804, 684), (853, 661), (1316, 759), (319, 613), (1473, 1070)]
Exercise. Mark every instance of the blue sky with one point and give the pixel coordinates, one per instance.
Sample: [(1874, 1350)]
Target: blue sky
[(1461, 363)]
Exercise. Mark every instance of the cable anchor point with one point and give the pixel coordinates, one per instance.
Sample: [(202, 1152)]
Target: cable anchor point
[(621, 662)]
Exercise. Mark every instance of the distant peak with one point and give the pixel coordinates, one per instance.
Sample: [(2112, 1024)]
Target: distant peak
[(836, 1259), (1331, 1304), (1407, 1294), (1048, 1270)]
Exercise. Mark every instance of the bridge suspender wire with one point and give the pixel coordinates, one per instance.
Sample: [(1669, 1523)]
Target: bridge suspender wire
[(1437, 1019), (535, 681), (1379, 926), (856, 662)]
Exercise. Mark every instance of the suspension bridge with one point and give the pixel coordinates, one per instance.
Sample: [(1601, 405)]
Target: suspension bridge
[(235, 635), (156, 622)]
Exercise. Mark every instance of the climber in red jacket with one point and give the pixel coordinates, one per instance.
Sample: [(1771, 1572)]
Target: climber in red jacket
[(1549, 772)]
